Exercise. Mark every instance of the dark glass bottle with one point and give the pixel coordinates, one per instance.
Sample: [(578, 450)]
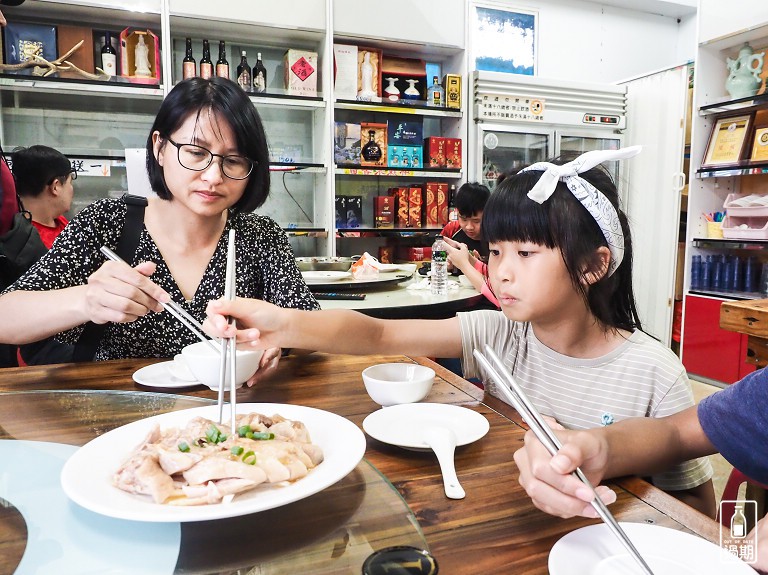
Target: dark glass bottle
[(108, 56), (371, 152), (244, 73), (453, 212), (188, 65), (222, 66), (259, 76), (206, 66)]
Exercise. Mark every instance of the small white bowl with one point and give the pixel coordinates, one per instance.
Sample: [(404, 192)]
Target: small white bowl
[(395, 383), (464, 280), (203, 361)]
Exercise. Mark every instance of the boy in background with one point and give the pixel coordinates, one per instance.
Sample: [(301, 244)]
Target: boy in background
[(469, 202)]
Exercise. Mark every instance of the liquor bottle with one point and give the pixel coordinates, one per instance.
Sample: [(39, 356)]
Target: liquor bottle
[(259, 76), (108, 56), (435, 94), (371, 152), (439, 279), (188, 65), (222, 66), (453, 212), (244, 73), (206, 66)]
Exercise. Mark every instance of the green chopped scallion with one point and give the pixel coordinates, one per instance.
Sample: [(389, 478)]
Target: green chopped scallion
[(183, 447), (263, 435), (243, 430), (236, 450), (249, 458)]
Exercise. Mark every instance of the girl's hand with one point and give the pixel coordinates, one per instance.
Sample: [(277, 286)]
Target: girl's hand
[(119, 293), (548, 480), (258, 323)]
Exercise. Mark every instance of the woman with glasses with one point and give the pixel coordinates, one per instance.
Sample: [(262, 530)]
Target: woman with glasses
[(208, 164), (44, 179)]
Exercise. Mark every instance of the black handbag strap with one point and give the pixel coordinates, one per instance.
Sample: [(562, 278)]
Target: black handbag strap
[(86, 346)]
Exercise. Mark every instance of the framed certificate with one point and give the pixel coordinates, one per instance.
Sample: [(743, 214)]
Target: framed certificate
[(760, 145), (727, 141)]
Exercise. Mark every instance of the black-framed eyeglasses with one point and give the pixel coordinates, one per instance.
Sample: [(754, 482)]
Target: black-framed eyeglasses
[(197, 159)]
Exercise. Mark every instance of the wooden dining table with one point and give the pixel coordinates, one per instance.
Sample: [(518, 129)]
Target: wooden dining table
[(494, 529)]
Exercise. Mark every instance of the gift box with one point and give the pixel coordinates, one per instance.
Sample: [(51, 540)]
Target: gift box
[(404, 69), (404, 156), (374, 59), (442, 204), (387, 254), (415, 203), (354, 211), (401, 206), (452, 153), (404, 143), (300, 73), (383, 212), (414, 254), (345, 71), (431, 210), (452, 86), (434, 152), (24, 41), (67, 37), (373, 140), (346, 144), (341, 211), (129, 65)]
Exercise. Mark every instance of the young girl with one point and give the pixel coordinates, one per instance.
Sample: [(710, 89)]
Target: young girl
[(560, 265), (208, 163)]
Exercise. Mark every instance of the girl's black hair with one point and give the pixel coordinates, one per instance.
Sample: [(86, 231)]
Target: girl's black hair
[(562, 222), (229, 103)]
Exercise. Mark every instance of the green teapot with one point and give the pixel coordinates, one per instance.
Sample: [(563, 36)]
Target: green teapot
[(744, 73)]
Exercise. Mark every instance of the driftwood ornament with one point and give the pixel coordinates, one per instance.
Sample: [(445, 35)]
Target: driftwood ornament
[(44, 68)]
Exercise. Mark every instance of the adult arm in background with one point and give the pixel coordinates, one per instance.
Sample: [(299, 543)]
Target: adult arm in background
[(471, 266)]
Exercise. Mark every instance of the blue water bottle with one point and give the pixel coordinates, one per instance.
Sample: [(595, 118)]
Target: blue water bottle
[(738, 281), (750, 274), (706, 273), (696, 272)]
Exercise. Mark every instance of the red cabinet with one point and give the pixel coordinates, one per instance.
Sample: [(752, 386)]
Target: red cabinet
[(709, 351)]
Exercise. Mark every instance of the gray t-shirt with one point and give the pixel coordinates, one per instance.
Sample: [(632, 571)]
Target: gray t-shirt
[(640, 378)]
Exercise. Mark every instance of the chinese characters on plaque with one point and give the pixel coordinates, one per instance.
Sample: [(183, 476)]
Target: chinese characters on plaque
[(502, 107)]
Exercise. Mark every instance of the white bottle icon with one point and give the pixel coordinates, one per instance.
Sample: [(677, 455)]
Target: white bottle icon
[(738, 524)]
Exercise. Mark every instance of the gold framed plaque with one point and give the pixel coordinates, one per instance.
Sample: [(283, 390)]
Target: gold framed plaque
[(727, 141), (760, 145)]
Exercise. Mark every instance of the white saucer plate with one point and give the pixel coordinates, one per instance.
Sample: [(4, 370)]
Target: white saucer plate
[(158, 375), (594, 550), (403, 425), (323, 277)]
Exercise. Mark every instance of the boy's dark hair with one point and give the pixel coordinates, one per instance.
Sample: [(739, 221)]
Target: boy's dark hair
[(36, 167), (227, 101), (562, 222), (471, 198)]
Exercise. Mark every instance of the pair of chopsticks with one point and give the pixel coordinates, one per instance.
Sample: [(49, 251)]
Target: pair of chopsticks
[(229, 345), (544, 433), (171, 307)]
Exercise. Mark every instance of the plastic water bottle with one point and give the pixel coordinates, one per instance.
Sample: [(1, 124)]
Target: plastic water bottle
[(439, 281)]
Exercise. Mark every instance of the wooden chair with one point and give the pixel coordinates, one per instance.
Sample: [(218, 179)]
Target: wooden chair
[(755, 491)]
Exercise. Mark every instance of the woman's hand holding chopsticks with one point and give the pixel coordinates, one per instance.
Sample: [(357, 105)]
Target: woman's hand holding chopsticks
[(119, 293), (548, 480)]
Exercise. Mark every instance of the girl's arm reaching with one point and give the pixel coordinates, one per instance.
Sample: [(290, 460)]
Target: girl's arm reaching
[(264, 325)]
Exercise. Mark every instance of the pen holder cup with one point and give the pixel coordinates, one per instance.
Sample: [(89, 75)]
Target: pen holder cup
[(715, 230)]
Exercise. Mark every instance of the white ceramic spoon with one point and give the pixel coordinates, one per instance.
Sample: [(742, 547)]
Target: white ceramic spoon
[(443, 442)]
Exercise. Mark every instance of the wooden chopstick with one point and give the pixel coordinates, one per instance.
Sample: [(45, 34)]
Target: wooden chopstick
[(519, 400)]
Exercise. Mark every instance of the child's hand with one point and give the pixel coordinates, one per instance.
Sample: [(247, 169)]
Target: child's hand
[(548, 480), (459, 255)]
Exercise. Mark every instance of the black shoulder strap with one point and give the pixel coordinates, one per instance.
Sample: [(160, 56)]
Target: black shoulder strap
[(89, 340)]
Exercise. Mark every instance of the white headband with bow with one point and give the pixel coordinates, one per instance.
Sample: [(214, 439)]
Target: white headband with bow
[(590, 197)]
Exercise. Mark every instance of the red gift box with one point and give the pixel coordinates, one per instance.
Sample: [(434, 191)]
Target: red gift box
[(415, 203), (434, 152)]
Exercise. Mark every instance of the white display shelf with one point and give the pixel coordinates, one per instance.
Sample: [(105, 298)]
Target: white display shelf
[(397, 173), (65, 88), (383, 107)]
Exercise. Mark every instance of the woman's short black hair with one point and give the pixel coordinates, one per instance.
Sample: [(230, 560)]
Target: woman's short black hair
[(561, 222), (229, 103), (36, 167), (471, 198)]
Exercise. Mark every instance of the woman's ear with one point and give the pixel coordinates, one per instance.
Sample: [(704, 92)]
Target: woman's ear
[(158, 146), (596, 270)]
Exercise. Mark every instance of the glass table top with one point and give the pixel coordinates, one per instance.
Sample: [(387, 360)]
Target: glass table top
[(333, 531)]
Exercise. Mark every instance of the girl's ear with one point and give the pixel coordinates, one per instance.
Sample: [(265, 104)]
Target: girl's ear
[(596, 270), (158, 146)]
